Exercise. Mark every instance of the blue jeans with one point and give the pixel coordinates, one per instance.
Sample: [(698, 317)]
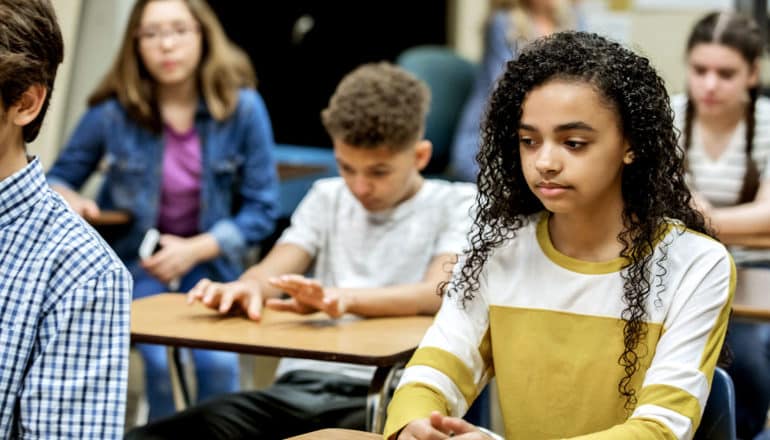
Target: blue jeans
[(750, 371), (216, 372)]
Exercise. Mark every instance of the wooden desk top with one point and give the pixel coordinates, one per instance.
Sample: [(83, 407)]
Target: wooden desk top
[(288, 171), (109, 218), (167, 319), (752, 294), (337, 434), (756, 241)]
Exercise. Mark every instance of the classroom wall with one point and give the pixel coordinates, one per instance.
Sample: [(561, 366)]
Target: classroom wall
[(45, 146), (92, 29), (657, 29)]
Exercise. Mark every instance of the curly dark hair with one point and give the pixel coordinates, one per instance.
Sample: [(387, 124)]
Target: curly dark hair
[(653, 185), (378, 104)]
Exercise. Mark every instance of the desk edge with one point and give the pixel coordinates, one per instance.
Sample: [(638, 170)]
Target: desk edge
[(376, 361)]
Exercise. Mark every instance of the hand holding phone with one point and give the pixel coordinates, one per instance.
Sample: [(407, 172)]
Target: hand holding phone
[(151, 244)]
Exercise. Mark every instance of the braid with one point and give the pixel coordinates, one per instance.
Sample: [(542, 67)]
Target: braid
[(689, 116), (751, 177)]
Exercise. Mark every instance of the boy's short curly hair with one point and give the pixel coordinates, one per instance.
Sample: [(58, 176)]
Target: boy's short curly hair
[(378, 104)]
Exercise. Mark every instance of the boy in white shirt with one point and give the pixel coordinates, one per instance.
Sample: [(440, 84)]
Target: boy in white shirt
[(378, 240)]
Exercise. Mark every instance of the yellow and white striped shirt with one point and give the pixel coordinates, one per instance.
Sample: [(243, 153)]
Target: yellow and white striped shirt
[(548, 327)]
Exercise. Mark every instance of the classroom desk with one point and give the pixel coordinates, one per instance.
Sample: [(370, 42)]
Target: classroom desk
[(337, 434), (386, 343), (109, 218), (752, 295), (111, 224), (288, 171)]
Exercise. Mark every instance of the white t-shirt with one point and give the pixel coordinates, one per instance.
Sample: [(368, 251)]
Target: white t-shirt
[(354, 248), (720, 180)]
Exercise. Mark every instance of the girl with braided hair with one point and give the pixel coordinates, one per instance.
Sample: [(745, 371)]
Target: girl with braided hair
[(725, 127), (591, 288)]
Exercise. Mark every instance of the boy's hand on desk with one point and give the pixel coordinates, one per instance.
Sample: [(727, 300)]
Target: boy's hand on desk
[(224, 297), (307, 296), (439, 427)]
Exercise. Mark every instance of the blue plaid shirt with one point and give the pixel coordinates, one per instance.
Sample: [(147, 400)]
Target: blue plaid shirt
[(64, 318)]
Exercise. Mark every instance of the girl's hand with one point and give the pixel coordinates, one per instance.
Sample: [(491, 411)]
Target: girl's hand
[(175, 258), (84, 207), (439, 427)]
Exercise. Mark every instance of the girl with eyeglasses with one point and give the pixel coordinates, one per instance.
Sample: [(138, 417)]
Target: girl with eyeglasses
[(186, 145)]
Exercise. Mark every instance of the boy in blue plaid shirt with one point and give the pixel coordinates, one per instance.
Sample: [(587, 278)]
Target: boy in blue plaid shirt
[(64, 296)]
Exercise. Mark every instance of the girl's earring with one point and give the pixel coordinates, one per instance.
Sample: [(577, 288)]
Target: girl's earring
[(628, 159)]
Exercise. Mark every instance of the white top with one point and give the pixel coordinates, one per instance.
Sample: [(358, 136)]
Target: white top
[(549, 328), (720, 180), (354, 248)]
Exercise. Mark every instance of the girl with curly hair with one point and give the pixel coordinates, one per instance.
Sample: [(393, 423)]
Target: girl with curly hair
[(591, 287), (726, 133)]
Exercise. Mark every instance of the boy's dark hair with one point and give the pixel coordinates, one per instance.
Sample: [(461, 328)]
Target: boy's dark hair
[(740, 33), (31, 49), (653, 186), (378, 104)]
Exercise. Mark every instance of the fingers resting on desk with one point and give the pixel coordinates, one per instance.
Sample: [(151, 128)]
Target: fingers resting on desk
[(226, 297), (306, 296)]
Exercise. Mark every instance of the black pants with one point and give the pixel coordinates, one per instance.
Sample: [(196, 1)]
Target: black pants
[(298, 402)]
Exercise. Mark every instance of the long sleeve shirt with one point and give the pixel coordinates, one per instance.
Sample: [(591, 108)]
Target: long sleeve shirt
[(64, 319), (549, 328)]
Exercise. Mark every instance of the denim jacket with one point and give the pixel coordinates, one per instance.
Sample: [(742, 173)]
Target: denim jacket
[(239, 187)]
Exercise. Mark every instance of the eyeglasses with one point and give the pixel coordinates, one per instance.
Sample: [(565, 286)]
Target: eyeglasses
[(181, 33)]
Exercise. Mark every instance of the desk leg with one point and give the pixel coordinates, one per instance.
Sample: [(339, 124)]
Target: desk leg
[(377, 399), (179, 388)]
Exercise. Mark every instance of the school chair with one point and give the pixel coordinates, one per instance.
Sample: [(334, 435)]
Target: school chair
[(450, 78), (298, 167), (718, 421)]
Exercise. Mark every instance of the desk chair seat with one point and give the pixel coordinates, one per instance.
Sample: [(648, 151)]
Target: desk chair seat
[(718, 422)]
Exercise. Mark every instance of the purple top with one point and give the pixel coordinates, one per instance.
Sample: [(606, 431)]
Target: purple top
[(181, 183)]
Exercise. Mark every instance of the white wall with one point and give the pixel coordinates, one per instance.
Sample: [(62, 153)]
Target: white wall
[(46, 144), (91, 31), (656, 28)]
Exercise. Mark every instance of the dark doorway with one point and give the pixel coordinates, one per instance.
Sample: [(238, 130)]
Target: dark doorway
[(302, 48)]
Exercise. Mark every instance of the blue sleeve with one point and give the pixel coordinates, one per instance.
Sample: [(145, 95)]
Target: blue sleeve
[(256, 217), (82, 153), (497, 51)]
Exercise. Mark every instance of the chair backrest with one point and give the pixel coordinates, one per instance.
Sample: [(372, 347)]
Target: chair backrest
[(450, 78), (718, 422)]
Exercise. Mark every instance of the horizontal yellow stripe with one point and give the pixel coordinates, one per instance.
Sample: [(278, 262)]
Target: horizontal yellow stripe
[(673, 398), (448, 364), (411, 402)]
